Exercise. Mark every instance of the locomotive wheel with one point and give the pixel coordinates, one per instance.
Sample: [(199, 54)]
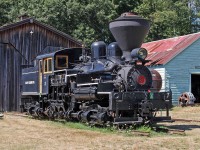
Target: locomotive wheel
[(51, 112), (61, 113), (186, 99), (68, 115), (39, 112), (31, 110), (148, 121)]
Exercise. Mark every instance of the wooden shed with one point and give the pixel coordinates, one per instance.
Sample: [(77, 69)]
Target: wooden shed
[(178, 61), (20, 43)]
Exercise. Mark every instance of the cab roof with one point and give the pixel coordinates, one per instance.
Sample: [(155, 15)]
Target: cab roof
[(52, 54)]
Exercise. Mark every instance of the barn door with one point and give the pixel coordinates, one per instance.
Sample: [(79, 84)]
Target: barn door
[(195, 86), (40, 76)]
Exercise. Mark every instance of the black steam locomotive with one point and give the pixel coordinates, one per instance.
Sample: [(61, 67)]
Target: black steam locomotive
[(110, 85)]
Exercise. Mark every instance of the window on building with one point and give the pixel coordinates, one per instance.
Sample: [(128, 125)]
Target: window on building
[(61, 62), (47, 63)]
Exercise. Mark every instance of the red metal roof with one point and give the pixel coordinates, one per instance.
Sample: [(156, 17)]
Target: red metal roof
[(162, 51)]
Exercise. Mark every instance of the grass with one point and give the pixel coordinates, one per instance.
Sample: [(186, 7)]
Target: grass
[(144, 129), (82, 126), (126, 131)]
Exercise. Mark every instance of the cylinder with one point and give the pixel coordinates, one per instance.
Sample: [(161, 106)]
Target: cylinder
[(85, 93)]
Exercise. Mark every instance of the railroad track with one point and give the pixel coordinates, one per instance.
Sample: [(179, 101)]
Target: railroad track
[(169, 131), (158, 129), (176, 131), (25, 115), (134, 132), (191, 105), (141, 133), (185, 120), (16, 114)]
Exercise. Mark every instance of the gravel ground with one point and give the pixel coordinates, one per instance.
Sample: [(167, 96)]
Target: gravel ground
[(22, 133)]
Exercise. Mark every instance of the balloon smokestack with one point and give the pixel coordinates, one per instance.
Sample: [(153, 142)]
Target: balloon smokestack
[(129, 30)]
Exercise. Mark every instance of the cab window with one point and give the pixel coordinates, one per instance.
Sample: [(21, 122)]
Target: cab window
[(61, 62), (47, 63)]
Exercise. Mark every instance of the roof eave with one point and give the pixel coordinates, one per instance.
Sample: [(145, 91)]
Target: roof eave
[(32, 20)]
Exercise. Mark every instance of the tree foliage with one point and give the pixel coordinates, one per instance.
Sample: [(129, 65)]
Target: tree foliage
[(88, 20), (168, 18), (122, 6), (4, 10)]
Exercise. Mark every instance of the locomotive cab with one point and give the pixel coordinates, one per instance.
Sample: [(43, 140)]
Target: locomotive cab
[(35, 80), (61, 62)]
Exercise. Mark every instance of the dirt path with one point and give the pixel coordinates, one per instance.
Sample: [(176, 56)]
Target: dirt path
[(20, 133)]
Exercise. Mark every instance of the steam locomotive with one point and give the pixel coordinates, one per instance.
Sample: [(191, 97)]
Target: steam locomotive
[(104, 85)]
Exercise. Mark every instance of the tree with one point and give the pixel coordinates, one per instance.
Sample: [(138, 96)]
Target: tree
[(88, 20), (168, 18), (85, 20), (194, 5), (5, 7), (96, 18), (122, 6)]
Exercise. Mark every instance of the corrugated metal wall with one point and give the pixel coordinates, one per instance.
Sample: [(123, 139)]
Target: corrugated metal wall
[(25, 42)]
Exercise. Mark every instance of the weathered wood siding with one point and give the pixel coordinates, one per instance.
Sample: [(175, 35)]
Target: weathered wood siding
[(30, 39), (178, 70), (10, 75), (25, 41)]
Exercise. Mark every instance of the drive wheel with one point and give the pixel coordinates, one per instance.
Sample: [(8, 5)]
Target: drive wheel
[(51, 113)]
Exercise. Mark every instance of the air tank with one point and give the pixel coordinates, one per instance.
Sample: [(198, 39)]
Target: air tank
[(129, 30), (157, 81)]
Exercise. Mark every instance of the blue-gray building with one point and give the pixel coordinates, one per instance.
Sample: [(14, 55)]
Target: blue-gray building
[(178, 61)]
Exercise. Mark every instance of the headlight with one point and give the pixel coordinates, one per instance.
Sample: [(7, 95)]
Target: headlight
[(139, 53)]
